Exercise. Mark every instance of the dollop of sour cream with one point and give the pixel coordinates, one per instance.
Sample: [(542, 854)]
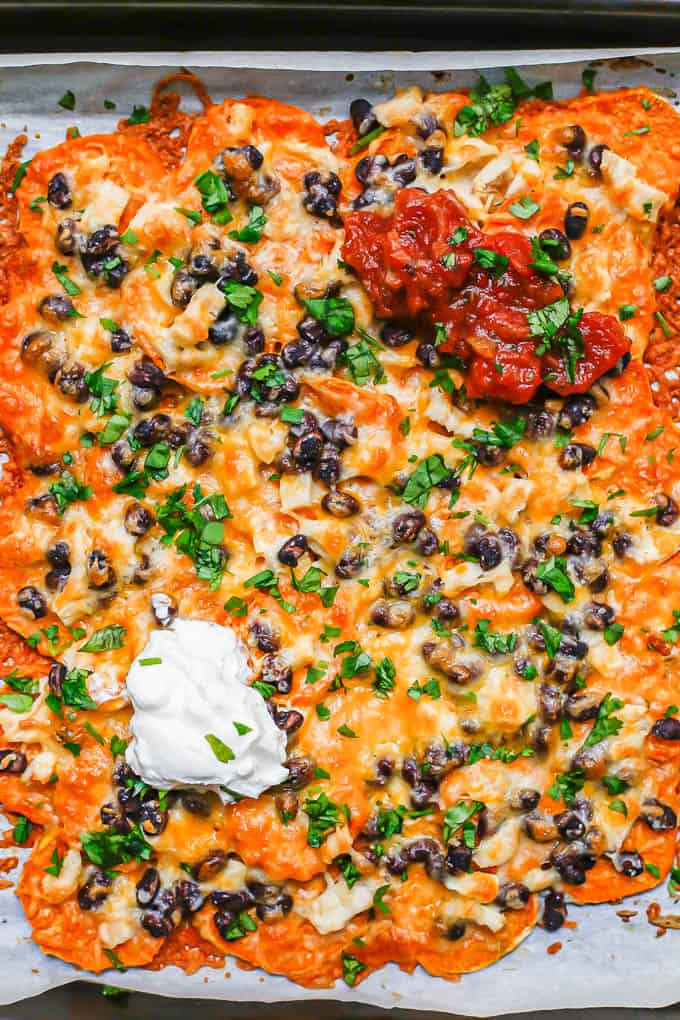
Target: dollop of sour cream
[(196, 722)]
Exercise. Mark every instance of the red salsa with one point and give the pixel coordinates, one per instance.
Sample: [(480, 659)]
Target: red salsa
[(509, 323)]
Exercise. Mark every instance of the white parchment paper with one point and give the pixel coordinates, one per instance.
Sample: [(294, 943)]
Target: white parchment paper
[(604, 961)]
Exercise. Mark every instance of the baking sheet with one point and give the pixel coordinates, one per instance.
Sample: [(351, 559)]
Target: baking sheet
[(604, 961)]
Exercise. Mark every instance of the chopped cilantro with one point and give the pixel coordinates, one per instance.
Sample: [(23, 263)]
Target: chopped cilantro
[(525, 208)]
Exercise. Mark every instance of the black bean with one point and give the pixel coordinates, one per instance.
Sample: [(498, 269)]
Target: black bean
[(340, 431), (583, 706), (667, 510), (427, 355), (224, 329), (160, 921), (425, 850), (550, 702), (667, 728), (458, 857), (288, 720), (576, 455), (321, 198), (539, 422), (328, 468), (570, 825), (102, 240), (602, 524), (203, 264), (349, 564), (148, 887), (212, 865), (249, 153), (363, 118), (576, 220), (265, 637), (153, 819), (152, 430), (489, 551), (12, 761), (490, 456), (121, 341), (232, 902), (554, 911), (184, 286), (310, 330), (572, 862), (56, 677), (113, 818), (570, 645), (576, 410), (627, 862), (621, 543), (196, 803), (384, 769), (432, 159), (512, 896), (395, 615), (441, 655), (659, 817), (146, 373), (574, 141), (555, 243), (298, 352), (340, 504), (596, 575), (325, 359), (46, 469), (238, 268), (94, 892), (531, 579), (66, 237), (143, 570), (370, 168), (407, 525), (115, 270), (590, 759), (198, 448), (40, 349), (71, 381), (56, 308), (59, 191), (540, 826), (300, 773), (293, 550), (138, 519), (100, 573), (32, 601), (393, 334), (145, 399), (403, 170), (524, 799), (584, 542), (595, 160), (427, 542), (188, 896), (55, 580), (277, 673), (307, 450), (123, 455), (59, 555)]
